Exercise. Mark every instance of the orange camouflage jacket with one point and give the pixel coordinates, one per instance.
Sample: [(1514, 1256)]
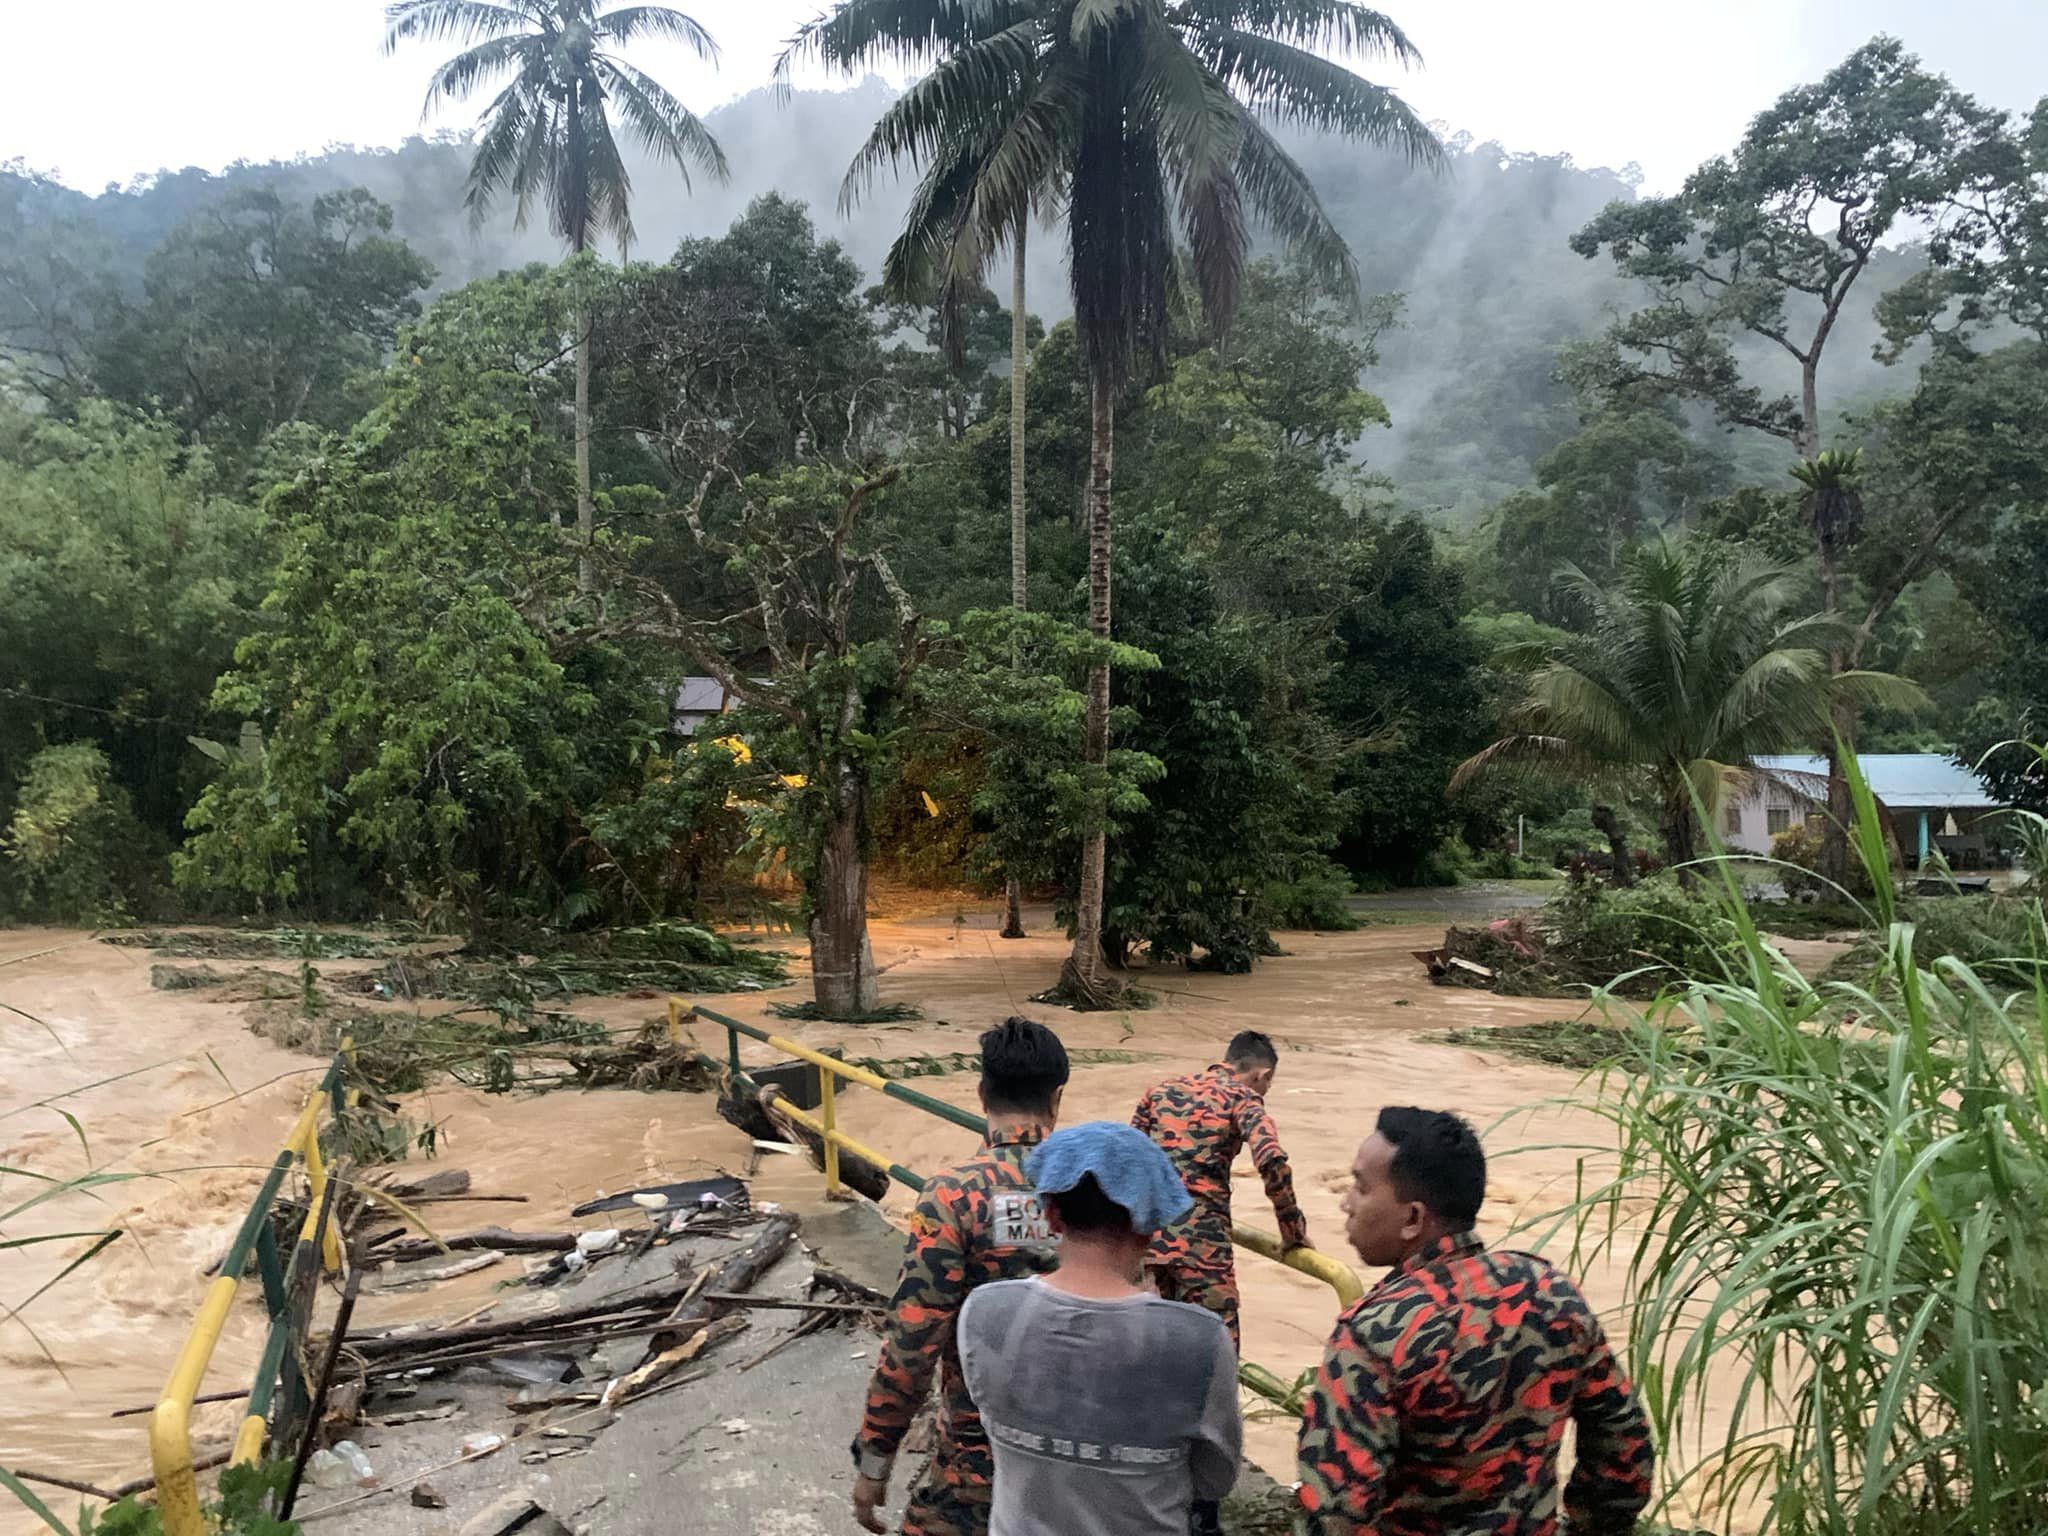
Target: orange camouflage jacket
[(1443, 1396), (976, 1222), (1201, 1122)]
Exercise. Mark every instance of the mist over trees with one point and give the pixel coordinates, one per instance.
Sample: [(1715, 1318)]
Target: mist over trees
[(1479, 257), (287, 459)]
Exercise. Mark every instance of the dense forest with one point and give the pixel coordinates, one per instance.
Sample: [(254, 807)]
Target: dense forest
[(306, 613)]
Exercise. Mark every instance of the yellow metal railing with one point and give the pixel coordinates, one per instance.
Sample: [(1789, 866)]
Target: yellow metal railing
[(1333, 1272), (319, 1241)]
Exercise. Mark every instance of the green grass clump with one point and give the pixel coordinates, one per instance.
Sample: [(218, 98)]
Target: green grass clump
[(1828, 1205)]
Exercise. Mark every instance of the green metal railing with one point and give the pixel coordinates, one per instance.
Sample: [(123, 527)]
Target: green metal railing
[(287, 1301), (1333, 1272)]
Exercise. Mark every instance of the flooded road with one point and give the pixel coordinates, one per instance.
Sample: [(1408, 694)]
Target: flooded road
[(207, 1102)]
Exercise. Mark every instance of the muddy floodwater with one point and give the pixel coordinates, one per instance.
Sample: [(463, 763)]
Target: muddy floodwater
[(173, 1088)]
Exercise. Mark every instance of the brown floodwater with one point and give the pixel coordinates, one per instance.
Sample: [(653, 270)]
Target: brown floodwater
[(208, 1101)]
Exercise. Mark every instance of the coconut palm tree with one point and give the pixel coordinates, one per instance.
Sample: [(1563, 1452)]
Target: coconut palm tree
[(1691, 668), (1146, 121), (548, 133)]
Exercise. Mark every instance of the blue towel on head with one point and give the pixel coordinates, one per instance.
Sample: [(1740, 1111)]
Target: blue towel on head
[(1126, 1163)]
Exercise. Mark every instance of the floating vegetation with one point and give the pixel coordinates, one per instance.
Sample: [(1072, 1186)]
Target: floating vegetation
[(403, 1052), (249, 944)]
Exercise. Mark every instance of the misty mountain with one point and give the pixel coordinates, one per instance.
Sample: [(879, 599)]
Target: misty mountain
[(1478, 253)]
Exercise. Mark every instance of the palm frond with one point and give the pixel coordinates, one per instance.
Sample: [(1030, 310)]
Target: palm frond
[(662, 125), (913, 34), (1119, 228), (1771, 691), (495, 162), (1296, 87), (1093, 17), (622, 26), (1574, 701), (607, 188), (910, 270), (1200, 133), (1326, 26), (952, 104), (476, 66), (466, 21), (1884, 690), (1282, 198), (1526, 754), (536, 159)]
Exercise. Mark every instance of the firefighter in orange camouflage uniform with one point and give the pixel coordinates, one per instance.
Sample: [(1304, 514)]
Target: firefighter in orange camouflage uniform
[(1201, 1122), (1446, 1389), (977, 1221)]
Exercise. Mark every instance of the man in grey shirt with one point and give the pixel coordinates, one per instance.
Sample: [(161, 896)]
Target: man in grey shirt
[(1110, 1411)]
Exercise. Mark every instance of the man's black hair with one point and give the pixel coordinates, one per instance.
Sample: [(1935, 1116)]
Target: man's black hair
[(1023, 1065), (1437, 1161), (1250, 1048), (1085, 1208)]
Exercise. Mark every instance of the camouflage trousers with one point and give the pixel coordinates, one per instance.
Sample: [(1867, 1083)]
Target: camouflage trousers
[(956, 1494), (1202, 1273)]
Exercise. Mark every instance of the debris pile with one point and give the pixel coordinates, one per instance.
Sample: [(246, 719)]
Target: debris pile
[(606, 1319)]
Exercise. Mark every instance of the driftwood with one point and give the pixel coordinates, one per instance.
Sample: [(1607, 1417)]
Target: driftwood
[(377, 1346), (642, 1378), (494, 1238), (120, 1491), (795, 1304), (826, 1278), (438, 1185), (737, 1273)]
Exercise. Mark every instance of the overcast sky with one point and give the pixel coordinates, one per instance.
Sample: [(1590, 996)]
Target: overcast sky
[(127, 87)]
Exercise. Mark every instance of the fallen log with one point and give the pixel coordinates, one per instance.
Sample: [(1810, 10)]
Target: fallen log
[(738, 1273), (374, 1346), (855, 1171), (494, 1238), (795, 1304), (438, 1185), (641, 1380), (826, 1278), (426, 1277)]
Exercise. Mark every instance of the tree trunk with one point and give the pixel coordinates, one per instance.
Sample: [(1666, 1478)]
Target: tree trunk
[(842, 963), (1020, 591), (1609, 827), (1681, 832), (586, 513), (1083, 978)]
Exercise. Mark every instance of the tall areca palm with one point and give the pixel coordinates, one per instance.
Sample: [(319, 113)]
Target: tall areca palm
[(1146, 120), (548, 133), (1692, 667)]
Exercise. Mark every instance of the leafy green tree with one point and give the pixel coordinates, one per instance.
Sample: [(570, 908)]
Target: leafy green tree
[(828, 681), (1244, 799), (548, 133), (746, 352), (74, 852), (1988, 252), (420, 739), (257, 312), (1625, 474), (1142, 118), (1691, 667), (1005, 704), (1406, 688), (57, 284), (1772, 241), (130, 577)]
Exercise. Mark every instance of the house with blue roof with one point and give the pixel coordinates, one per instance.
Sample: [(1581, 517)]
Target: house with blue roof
[(1933, 801)]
